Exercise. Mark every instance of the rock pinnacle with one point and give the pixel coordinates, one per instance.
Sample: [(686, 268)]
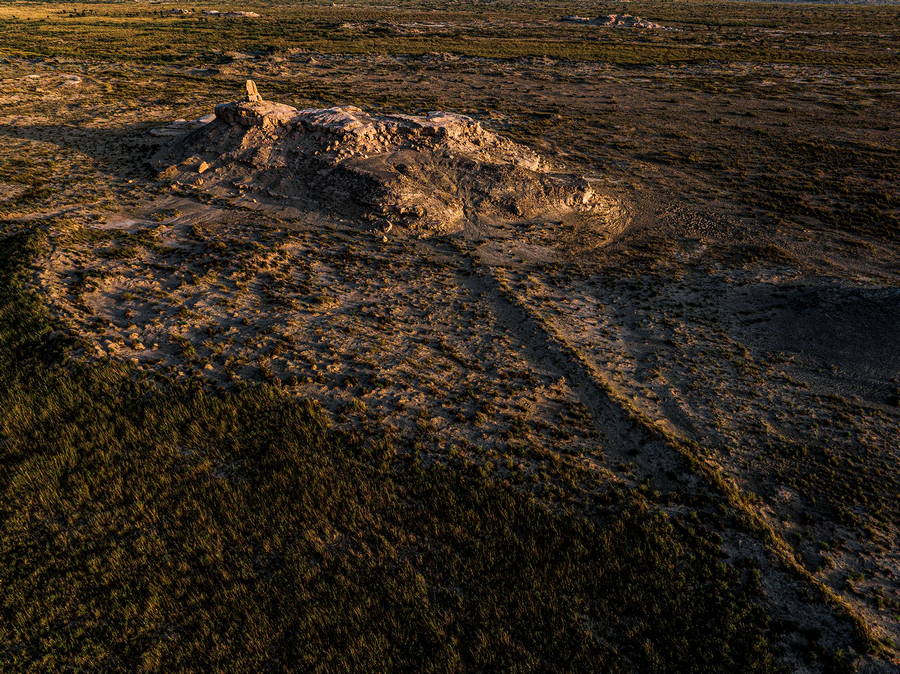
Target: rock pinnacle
[(252, 93)]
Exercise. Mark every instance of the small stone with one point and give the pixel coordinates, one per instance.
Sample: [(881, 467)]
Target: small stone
[(203, 167)]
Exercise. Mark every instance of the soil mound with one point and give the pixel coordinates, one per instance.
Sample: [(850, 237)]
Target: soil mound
[(439, 172)]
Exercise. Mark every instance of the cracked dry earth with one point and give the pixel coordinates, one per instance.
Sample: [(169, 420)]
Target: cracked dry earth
[(518, 345)]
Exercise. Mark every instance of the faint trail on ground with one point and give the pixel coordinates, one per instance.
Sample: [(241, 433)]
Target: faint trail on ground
[(622, 440)]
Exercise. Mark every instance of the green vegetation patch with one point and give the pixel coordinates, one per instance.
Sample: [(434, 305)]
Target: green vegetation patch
[(149, 529)]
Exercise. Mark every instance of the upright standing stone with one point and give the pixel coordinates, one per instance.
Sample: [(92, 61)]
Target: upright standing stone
[(252, 94)]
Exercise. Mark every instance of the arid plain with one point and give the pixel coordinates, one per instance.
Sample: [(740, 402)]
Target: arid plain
[(677, 290)]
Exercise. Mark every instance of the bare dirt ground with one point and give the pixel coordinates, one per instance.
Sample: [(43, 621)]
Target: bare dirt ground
[(763, 338)]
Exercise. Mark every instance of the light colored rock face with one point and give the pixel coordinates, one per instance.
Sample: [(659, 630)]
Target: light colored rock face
[(243, 15), (614, 20), (625, 21), (252, 92), (262, 114), (359, 133), (439, 172)]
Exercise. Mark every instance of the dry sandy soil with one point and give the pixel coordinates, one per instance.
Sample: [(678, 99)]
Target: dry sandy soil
[(689, 315)]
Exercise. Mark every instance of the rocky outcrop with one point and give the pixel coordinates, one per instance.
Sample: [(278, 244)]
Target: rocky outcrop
[(261, 114), (613, 20), (252, 92), (437, 172), (233, 15)]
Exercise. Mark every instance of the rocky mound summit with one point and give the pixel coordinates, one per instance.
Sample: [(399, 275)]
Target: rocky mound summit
[(439, 172)]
